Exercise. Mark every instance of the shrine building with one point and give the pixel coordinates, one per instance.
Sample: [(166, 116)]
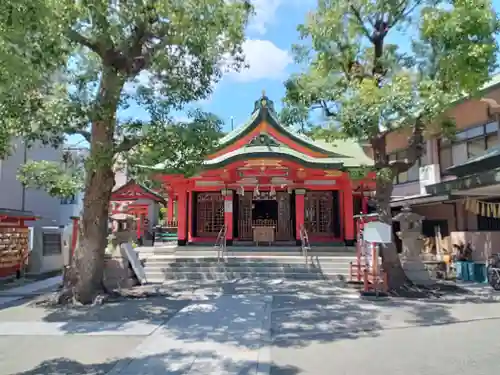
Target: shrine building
[(264, 174)]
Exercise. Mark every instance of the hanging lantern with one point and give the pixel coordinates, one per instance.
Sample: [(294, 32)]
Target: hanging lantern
[(256, 192), (241, 191)]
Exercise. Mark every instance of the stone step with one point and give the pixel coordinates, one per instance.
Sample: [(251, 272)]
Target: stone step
[(159, 278), (303, 269), (249, 258), (247, 263)]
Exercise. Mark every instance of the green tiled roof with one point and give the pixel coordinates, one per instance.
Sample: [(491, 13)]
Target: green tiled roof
[(266, 151), (340, 154), (346, 152)]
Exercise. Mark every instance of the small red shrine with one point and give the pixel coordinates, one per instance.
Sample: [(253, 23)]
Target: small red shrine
[(136, 199), (264, 174)]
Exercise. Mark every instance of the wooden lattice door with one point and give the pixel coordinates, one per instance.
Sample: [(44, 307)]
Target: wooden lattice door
[(318, 213), (245, 217), (284, 229), (209, 214)]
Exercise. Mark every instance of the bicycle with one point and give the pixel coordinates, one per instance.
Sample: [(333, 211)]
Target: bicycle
[(493, 271)]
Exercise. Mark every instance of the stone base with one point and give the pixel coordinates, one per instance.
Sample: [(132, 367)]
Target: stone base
[(415, 271), (118, 274)]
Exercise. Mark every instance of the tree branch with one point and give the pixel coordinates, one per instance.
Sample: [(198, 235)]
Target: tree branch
[(402, 13), (361, 23), (128, 143), (78, 38), (84, 133), (414, 150)]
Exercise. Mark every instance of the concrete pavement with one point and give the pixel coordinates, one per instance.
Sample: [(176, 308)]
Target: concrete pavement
[(10, 295), (315, 328)]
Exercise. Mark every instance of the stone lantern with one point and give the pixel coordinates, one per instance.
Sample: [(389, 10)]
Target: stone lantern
[(412, 242), (123, 231)]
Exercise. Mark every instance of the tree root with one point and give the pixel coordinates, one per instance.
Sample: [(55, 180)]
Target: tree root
[(65, 296), (436, 290)]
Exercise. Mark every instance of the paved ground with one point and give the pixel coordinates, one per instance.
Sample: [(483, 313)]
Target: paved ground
[(315, 328)]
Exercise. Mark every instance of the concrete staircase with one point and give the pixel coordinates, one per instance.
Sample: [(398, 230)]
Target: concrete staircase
[(163, 264)]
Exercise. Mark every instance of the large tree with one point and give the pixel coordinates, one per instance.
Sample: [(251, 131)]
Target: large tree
[(368, 86), (73, 65), (189, 141)]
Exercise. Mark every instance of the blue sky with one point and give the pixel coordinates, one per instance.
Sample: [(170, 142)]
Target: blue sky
[(270, 36)]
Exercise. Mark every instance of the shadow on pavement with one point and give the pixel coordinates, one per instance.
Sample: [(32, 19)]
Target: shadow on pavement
[(302, 313), (156, 365)]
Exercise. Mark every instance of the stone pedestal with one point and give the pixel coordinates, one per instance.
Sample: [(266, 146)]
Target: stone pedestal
[(412, 243), (117, 270)]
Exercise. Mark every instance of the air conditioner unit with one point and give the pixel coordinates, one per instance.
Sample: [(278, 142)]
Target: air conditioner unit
[(428, 175), (46, 249)]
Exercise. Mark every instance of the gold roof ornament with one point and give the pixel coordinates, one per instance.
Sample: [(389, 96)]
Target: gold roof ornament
[(263, 102)]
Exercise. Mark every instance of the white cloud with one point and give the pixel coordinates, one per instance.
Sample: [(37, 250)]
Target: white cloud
[(265, 13), (265, 61)]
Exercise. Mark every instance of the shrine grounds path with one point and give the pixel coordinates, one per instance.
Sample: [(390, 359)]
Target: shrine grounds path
[(252, 328)]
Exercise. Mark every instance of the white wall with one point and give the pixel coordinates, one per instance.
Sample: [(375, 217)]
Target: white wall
[(121, 174), (11, 190)]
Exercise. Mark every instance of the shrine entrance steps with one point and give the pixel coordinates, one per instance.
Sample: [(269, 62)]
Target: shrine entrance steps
[(202, 264)]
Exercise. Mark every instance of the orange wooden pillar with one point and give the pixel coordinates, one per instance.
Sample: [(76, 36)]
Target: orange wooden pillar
[(348, 218), (299, 212), (228, 214), (182, 217)]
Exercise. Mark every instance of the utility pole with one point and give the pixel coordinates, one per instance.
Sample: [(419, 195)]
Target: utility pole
[(232, 123)]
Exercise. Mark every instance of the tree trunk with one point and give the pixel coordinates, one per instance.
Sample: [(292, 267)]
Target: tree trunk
[(89, 256), (383, 191), (390, 258)]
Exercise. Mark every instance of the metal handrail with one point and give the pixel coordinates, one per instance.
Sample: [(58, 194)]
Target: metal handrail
[(304, 242), (220, 243)]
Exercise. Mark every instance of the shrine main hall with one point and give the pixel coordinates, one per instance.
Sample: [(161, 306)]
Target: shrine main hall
[(266, 175)]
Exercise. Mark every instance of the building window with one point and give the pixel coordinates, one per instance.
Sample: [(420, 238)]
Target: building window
[(467, 144), (476, 147), (70, 200), (52, 244), (491, 141)]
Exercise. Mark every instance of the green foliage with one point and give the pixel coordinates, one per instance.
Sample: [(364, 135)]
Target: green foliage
[(53, 177), (367, 86), (67, 67), (184, 145)]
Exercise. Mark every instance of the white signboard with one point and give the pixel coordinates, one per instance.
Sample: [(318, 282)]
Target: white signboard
[(377, 232), (135, 262), (366, 250)]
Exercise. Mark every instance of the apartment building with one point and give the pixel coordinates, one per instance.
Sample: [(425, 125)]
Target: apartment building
[(439, 185), (13, 195)]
